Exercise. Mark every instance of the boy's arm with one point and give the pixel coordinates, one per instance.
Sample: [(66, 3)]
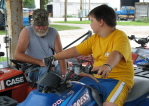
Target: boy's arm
[(66, 54), (111, 62), (114, 58)]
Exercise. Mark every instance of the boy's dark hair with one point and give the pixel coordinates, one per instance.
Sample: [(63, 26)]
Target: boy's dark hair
[(104, 12)]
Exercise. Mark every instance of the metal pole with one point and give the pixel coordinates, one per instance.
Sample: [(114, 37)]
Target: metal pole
[(80, 10), (89, 5), (89, 33), (65, 10)]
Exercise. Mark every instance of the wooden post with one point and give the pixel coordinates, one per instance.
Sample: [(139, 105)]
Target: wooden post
[(14, 23)]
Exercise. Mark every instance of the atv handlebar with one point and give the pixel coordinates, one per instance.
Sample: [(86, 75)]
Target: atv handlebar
[(142, 41), (22, 66), (78, 68), (54, 82)]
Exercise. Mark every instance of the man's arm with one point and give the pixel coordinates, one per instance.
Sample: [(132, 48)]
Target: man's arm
[(58, 48), (21, 47)]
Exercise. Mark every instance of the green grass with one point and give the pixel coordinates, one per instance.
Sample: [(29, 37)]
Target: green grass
[(58, 27), (3, 59), (133, 23), (63, 27), (2, 32), (75, 22), (124, 23)]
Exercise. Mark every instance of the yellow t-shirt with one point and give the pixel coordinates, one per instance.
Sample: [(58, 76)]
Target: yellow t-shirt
[(100, 48)]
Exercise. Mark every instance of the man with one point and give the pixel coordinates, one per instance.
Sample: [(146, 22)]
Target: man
[(37, 42), (30, 16), (111, 51)]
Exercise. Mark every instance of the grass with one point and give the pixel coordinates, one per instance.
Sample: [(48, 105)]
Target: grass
[(124, 23), (3, 59), (74, 22), (133, 23), (63, 27), (58, 27), (2, 32)]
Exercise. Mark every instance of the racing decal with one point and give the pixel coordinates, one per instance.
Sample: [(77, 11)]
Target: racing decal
[(71, 92), (71, 100), (142, 59), (58, 102), (13, 81), (2, 85), (66, 101), (82, 100), (141, 62)]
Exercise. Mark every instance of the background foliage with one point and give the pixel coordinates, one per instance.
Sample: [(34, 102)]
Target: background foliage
[(29, 4), (43, 3)]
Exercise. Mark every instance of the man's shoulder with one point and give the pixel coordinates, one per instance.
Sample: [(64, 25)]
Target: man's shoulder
[(28, 27)]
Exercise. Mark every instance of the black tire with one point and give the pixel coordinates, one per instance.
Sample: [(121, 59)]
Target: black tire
[(126, 19), (120, 19), (2, 20)]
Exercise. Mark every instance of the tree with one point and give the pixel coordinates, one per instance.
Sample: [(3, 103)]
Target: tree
[(28, 3), (43, 3)]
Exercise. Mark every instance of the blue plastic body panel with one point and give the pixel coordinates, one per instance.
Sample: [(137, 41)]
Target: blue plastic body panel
[(78, 95)]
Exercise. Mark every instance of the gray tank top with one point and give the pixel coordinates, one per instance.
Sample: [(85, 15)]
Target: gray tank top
[(41, 47)]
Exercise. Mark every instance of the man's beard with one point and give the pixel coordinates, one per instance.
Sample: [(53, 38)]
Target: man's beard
[(41, 32)]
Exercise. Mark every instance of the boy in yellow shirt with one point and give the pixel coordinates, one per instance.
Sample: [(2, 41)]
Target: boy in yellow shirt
[(111, 51)]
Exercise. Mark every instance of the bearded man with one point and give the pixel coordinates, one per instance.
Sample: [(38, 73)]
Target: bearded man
[(37, 42)]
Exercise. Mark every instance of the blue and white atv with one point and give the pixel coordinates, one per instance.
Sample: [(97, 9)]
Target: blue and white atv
[(16, 91), (67, 92)]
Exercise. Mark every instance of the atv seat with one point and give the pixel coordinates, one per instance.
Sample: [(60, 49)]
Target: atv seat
[(96, 96), (136, 92)]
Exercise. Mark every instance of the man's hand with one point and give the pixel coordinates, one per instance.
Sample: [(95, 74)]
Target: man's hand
[(42, 64), (102, 70)]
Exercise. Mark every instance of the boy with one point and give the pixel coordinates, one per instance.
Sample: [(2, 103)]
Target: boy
[(111, 51)]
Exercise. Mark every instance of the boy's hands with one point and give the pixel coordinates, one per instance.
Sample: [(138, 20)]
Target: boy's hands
[(48, 61), (102, 70)]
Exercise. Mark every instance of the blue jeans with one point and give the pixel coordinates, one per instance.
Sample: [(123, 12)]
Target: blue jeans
[(34, 76)]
